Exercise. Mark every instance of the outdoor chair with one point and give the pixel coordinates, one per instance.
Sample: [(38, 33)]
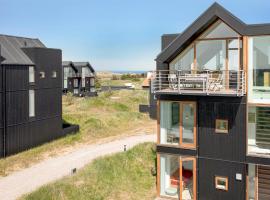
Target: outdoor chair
[(173, 81), (215, 84)]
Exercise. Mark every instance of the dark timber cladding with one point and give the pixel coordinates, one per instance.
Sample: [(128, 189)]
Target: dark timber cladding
[(213, 125), (213, 145), (19, 130)]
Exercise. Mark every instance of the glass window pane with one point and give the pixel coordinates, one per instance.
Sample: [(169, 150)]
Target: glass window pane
[(169, 176), (222, 126), (211, 55), (92, 82), (251, 181), (169, 122), (183, 61), (219, 30), (31, 74), (31, 103), (259, 69), (188, 123), (75, 83), (187, 180), (65, 83), (258, 130)]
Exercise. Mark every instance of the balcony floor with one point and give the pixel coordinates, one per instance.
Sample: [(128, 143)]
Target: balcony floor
[(228, 92)]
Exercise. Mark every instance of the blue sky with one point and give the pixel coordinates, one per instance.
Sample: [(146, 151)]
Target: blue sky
[(113, 34)]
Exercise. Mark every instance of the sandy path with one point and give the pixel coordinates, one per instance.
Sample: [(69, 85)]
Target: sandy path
[(29, 179)]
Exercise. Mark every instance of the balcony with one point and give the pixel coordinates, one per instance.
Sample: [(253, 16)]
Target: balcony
[(206, 82)]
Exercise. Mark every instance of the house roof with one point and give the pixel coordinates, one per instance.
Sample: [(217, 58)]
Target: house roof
[(214, 12), (146, 83), (79, 65), (69, 64), (12, 52)]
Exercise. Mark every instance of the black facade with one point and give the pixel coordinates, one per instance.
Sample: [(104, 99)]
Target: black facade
[(19, 129), (78, 78), (217, 154)]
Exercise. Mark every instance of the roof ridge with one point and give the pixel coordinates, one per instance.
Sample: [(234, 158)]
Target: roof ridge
[(14, 36)]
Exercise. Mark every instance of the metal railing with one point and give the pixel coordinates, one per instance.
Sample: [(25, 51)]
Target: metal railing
[(218, 82)]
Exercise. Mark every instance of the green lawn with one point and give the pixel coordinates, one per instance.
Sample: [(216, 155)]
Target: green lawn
[(110, 115), (121, 176)]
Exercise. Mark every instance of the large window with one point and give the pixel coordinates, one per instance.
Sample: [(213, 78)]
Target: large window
[(258, 182), (259, 69), (177, 177), (219, 30), (31, 103), (258, 130), (211, 54), (211, 50), (184, 61), (169, 122), (31, 74), (178, 120)]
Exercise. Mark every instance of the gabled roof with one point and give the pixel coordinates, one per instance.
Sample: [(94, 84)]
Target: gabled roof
[(79, 65), (69, 64), (214, 12), (12, 52)]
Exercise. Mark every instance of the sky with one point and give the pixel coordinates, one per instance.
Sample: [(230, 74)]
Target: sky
[(113, 34)]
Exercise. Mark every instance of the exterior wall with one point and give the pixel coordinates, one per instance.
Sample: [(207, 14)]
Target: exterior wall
[(217, 154), (152, 104), (230, 146), (22, 131), (208, 169), (226, 146)]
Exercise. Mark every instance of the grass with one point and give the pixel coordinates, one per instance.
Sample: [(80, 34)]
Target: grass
[(125, 175), (102, 118)]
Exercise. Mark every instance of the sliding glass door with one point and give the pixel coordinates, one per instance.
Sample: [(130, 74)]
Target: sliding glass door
[(188, 124), (177, 177), (178, 123)]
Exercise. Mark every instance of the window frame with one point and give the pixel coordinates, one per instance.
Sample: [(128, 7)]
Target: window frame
[(217, 178), (30, 115), (54, 74), (182, 158), (181, 144), (220, 131), (42, 74), (32, 81)]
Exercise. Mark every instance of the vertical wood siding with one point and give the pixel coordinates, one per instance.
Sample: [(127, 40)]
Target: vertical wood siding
[(209, 168)]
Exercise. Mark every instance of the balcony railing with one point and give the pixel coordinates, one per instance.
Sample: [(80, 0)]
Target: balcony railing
[(219, 82)]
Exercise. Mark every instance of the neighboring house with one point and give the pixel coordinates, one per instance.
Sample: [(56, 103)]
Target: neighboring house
[(79, 78), (151, 108), (212, 83), (30, 94)]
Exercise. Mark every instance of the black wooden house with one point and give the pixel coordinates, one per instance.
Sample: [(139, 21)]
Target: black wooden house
[(30, 94), (212, 84), (78, 78)]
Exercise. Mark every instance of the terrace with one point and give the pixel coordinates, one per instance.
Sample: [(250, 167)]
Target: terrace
[(203, 82)]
